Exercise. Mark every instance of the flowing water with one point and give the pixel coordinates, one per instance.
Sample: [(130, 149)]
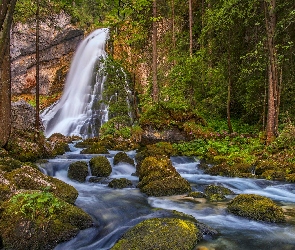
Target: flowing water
[(116, 210), (79, 111)]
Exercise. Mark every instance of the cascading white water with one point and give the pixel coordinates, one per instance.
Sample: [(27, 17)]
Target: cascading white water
[(79, 111)]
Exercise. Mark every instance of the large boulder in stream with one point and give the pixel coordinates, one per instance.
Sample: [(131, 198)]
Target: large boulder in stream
[(123, 157), (39, 220), (30, 178), (78, 171), (100, 166), (256, 207), (120, 183), (157, 177), (167, 233)]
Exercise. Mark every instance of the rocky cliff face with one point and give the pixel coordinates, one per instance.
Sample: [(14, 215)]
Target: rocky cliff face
[(58, 40)]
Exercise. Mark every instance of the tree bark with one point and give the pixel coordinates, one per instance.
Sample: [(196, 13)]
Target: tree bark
[(273, 92), (155, 55), (6, 13), (37, 68), (190, 28)]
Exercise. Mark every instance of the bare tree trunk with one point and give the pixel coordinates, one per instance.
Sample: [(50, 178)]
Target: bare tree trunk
[(229, 87), (155, 55), (173, 29), (37, 67), (190, 28), (273, 93), (6, 13)]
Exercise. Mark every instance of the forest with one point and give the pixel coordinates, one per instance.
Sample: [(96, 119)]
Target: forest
[(208, 79)]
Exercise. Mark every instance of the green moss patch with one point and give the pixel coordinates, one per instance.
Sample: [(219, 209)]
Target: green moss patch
[(123, 157), (120, 183), (39, 220), (78, 171), (159, 178), (160, 233), (256, 207), (100, 166), (29, 178), (216, 193)]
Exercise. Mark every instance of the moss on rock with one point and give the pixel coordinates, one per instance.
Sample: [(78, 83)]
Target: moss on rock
[(8, 164), (100, 166), (159, 178), (29, 178), (59, 144), (123, 157), (39, 220), (196, 194), (160, 233), (168, 186), (95, 148), (216, 193), (256, 207), (78, 171), (120, 183)]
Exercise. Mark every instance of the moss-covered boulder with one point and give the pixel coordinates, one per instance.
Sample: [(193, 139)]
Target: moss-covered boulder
[(100, 166), (123, 157), (39, 220), (78, 171), (59, 144), (120, 183), (168, 186), (157, 177), (256, 207), (7, 189), (216, 193), (95, 148), (196, 194), (27, 145), (160, 233), (28, 178), (8, 164)]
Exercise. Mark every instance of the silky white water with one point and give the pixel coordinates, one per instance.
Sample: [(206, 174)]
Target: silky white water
[(79, 111)]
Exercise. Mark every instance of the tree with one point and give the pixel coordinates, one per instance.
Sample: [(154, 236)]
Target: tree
[(155, 54), (273, 68), (6, 14), (37, 67), (190, 27)]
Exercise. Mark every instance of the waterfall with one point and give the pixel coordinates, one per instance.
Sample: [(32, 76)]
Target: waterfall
[(80, 111)]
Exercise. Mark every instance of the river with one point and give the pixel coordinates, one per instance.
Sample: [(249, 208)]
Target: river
[(116, 210)]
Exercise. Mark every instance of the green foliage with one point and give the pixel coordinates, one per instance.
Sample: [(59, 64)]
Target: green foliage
[(33, 205)]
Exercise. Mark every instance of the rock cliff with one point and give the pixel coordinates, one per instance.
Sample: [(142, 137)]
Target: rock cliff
[(58, 40)]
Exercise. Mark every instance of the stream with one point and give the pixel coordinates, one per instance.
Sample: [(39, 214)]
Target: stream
[(114, 211)]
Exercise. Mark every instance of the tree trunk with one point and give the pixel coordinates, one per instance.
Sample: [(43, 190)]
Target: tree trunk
[(155, 54), (37, 67), (190, 28), (273, 93), (6, 12), (229, 87)]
